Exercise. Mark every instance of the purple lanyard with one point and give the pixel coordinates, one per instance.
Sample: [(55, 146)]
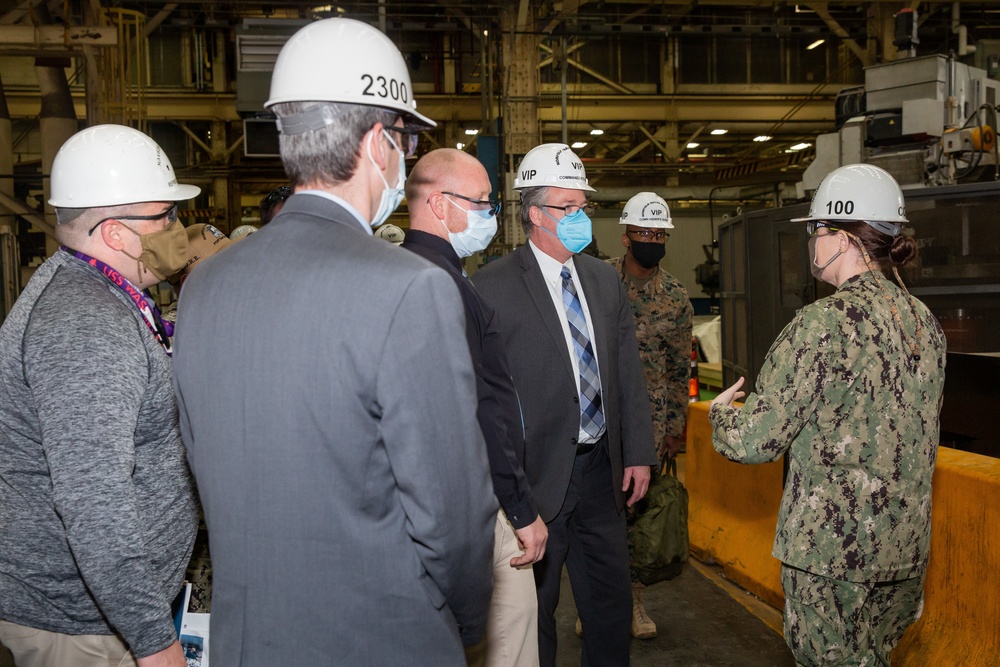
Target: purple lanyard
[(161, 329)]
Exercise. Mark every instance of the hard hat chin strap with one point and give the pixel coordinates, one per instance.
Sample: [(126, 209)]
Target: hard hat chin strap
[(914, 345)]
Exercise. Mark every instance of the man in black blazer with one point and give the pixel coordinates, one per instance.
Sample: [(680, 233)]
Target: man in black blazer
[(588, 436), (451, 218)]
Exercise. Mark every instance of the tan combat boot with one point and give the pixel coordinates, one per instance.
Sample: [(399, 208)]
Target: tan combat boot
[(642, 625)]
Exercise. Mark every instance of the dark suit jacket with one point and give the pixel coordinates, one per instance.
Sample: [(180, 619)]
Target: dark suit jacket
[(543, 372), (330, 423), (499, 412)]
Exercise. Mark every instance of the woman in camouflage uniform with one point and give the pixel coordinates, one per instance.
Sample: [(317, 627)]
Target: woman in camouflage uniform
[(851, 392)]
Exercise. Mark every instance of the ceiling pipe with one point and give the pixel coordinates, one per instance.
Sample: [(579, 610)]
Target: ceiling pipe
[(964, 48)]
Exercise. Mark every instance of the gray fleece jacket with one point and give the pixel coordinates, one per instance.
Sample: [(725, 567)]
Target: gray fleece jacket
[(97, 506)]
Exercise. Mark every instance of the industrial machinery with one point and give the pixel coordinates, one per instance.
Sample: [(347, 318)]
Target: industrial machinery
[(928, 120)]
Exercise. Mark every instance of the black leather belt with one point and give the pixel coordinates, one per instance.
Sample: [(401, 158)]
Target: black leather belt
[(586, 448)]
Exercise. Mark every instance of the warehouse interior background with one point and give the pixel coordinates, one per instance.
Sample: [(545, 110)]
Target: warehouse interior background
[(731, 111)]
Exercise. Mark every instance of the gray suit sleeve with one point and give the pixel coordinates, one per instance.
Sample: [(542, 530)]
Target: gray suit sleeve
[(427, 392), (638, 448)]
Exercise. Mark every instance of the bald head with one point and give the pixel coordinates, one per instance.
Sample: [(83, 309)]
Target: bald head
[(443, 170)]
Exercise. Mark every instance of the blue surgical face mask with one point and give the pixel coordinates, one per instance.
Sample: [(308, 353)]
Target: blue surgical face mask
[(390, 196), (574, 231), (480, 230)]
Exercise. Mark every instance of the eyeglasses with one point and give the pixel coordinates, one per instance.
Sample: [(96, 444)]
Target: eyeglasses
[(482, 204), (170, 214), (649, 234), (410, 134), (571, 209), (813, 225)]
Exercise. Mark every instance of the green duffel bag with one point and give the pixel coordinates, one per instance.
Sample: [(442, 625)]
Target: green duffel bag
[(660, 529)]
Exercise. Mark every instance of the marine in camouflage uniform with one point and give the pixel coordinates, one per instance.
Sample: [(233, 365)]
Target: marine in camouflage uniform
[(858, 416), (662, 313)]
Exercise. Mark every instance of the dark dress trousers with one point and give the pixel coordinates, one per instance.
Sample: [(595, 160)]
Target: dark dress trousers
[(331, 427), (577, 492)]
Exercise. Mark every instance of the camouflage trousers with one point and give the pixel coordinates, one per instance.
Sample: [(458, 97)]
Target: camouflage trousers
[(833, 622)]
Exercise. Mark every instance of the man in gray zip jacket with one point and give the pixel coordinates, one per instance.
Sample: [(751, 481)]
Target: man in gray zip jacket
[(97, 507)]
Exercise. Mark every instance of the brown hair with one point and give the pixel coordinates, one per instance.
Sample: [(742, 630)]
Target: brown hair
[(885, 250)]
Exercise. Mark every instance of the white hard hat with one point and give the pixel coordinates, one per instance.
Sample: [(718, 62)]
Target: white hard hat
[(344, 61), (241, 232), (552, 165), (111, 165), (859, 192), (647, 209), (390, 233)]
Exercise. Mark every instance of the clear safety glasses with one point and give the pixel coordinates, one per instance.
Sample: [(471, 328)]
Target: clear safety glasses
[(407, 139), (814, 225), (170, 214), (478, 204)]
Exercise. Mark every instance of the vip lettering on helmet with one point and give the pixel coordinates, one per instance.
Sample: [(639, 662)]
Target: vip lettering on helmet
[(652, 213), (529, 174), (379, 86), (577, 165)]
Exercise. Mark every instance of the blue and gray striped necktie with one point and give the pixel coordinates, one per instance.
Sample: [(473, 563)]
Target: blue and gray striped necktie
[(591, 412)]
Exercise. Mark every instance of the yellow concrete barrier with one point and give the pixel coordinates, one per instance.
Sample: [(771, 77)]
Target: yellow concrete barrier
[(733, 510), (961, 620)]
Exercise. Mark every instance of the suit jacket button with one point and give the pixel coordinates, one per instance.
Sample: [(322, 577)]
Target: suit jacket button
[(576, 399), (572, 440)]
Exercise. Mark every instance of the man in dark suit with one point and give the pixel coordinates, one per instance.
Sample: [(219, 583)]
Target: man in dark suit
[(451, 218), (575, 363), (330, 419)]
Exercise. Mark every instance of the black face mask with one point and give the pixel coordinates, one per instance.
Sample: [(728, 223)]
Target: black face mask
[(648, 254)]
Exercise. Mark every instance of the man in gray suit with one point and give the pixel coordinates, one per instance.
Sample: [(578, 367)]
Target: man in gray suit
[(575, 363), (329, 416)]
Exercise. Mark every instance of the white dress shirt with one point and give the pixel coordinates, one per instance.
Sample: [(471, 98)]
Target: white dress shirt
[(365, 225), (551, 270)]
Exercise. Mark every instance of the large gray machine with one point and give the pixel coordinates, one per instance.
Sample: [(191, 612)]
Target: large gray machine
[(927, 120)]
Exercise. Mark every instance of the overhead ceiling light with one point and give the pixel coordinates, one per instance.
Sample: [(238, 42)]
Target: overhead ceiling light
[(328, 10), (459, 146), (693, 144), (596, 132), (471, 133), (815, 44), (719, 132), (762, 137), (579, 144), (799, 147)]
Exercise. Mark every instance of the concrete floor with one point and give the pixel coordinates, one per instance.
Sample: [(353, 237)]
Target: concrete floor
[(702, 621)]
